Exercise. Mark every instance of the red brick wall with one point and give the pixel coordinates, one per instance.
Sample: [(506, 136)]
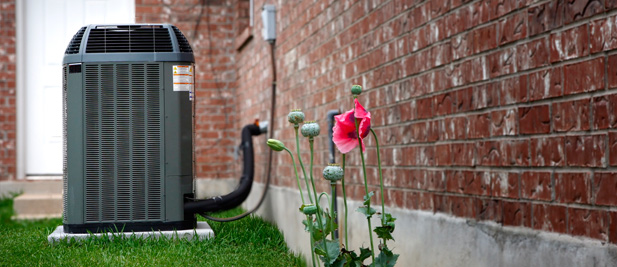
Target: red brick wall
[(490, 110), (8, 111), (211, 36)]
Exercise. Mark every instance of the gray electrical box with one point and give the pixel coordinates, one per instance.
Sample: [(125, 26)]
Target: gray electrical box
[(128, 163), (268, 17)]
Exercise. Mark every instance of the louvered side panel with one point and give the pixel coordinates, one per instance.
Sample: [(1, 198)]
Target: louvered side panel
[(108, 126), (153, 133), (92, 107), (139, 157), (123, 143)]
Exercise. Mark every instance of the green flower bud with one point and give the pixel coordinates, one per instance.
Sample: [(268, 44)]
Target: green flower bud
[(295, 116), (276, 145), (310, 129), (356, 89), (333, 173), (309, 209)]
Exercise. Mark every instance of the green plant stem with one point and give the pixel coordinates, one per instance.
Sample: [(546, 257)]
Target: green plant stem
[(333, 185), (326, 195), (309, 218), (313, 259), (383, 208), (303, 202), (319, 220), (345, 203), (301, 164), (296, 171), (368, 205), (330, 200)]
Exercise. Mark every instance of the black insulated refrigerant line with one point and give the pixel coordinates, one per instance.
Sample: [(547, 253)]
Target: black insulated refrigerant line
[(238, 196), (330, 115), (235, 198)]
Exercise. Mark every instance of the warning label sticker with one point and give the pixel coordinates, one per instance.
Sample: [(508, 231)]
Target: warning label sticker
[(183, 78)]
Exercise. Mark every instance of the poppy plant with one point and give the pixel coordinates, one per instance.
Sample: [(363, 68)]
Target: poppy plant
[(350, 130), (344, 135)]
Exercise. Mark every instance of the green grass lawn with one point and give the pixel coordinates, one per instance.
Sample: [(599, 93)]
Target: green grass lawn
[(248, 242)]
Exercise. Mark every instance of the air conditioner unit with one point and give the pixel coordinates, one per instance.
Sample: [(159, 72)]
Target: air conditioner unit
[(127, 129)]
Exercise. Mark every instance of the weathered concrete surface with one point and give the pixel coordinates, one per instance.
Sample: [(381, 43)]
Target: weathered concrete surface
[(38, 199), (31, 187), (202, 231), (37, 206), (426, 239)]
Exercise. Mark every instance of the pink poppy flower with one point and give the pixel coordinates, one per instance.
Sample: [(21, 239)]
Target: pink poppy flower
[(345, 137)]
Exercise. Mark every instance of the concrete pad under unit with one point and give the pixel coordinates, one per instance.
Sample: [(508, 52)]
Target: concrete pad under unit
[(202, 231)]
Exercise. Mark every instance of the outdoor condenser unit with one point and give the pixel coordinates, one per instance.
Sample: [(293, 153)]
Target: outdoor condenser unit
[(127, 128)]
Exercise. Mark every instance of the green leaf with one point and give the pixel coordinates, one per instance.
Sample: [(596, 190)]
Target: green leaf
[(331, 246), (389, 220), (329, 224), (317, 233), (307, 224), (384, 232), (386, 258), (366, 211), (367, 199), (339, 262), (352, 263), (388, 217), (353, 260), (364, 253)]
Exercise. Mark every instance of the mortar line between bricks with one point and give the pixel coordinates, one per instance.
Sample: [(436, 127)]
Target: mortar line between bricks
[(583, 21), (494, 197), (553, 186), (589, 206), (531, 216), (507, 169), (518, 184), (607, 152), (518, 137), (539, 3), (592, 186)]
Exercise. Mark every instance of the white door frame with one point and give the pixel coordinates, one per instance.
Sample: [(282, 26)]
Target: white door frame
[(20, 96), (20, 101)]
